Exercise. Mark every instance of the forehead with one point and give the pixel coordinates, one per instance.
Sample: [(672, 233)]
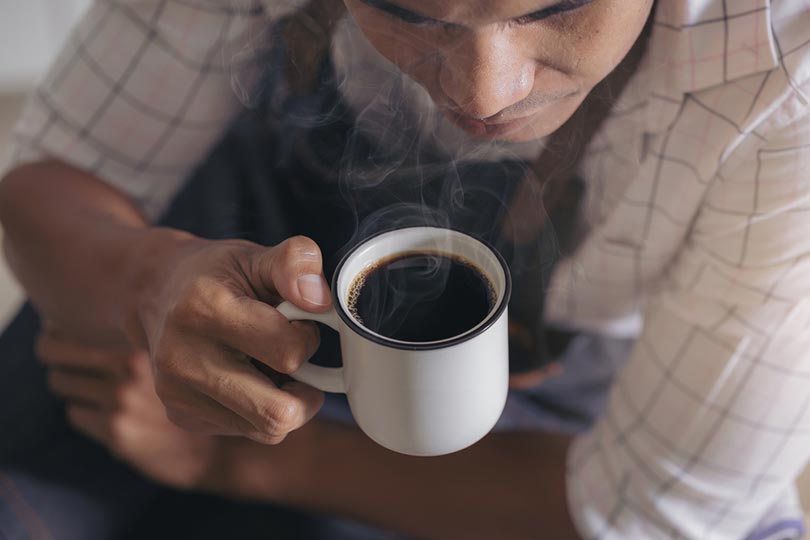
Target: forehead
[(474, 11)]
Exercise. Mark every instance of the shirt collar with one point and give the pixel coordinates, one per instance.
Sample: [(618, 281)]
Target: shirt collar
[(697, 44)]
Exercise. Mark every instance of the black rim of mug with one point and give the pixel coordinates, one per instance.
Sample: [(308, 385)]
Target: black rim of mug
[(493, 316)]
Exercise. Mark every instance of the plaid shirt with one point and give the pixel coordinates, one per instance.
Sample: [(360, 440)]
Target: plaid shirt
[(698, 206)]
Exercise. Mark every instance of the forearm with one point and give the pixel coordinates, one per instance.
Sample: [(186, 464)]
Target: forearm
[(509, 485), (77, 246)]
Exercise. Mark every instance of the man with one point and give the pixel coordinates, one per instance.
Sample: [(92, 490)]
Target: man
[(693, 217)]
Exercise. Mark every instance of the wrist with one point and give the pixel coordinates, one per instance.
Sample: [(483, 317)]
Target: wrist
[(297, 468), (150, 260), (244, 469), (220, 477)]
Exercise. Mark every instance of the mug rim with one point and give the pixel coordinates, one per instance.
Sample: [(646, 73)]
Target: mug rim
[(493, 316)]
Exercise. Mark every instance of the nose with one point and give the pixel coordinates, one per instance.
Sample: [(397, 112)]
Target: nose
[(486, 74)]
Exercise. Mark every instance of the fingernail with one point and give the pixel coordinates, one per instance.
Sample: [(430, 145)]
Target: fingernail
[(313, 289)]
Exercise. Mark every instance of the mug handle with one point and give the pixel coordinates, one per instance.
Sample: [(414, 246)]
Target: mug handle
[(322, 378)]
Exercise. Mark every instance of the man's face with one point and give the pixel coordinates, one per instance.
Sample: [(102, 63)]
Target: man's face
[(511, 70)]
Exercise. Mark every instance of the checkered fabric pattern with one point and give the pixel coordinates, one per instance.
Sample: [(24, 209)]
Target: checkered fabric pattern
[(699, 212), (698, 207), (143, 89)]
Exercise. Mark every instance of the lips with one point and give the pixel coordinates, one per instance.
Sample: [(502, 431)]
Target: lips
[(481, 128)]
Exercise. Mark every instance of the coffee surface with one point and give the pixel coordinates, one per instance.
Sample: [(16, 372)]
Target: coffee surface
[(420, 297)]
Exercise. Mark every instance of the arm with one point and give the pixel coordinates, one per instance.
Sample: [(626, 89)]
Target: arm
[(509, 485), (78, 238), (706, 426), (79, 247), (99, 275), (75, 214)]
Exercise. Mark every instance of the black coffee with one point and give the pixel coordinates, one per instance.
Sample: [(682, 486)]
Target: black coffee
[(421, 297)]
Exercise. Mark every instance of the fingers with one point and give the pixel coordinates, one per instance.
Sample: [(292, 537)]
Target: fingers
[(83, 388), (237, 317), (238, 321), (218, 318), (273, 411), (133, 396), (260, 331), (114, 431), (237, 324), (249, 326), (196, 412), (294, 269), (55, 351), (91, 422), (211, 385), (99, 407)]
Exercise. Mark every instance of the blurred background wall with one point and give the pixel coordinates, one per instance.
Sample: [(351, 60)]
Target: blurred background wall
[(31, 31)]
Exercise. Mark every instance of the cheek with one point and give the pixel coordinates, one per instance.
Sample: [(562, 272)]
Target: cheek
[(593, 45), (401, 46), (415, 59), (409, 53), (408, 49), (549, 120)]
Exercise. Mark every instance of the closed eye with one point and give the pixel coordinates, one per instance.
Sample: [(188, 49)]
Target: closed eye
[(400, 12), (562, 7), (412, 17)]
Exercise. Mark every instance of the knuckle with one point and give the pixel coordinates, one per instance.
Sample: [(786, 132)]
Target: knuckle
[(288, 363), (300, 245), (290, 356), (280, 417), (199, 304), (297, 251), (170, 370)]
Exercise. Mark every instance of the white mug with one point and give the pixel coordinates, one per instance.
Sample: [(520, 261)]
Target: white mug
[(425, 398)]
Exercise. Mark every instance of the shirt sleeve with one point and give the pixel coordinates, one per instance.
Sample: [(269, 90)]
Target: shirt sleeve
[(142, 90), (708, 424)]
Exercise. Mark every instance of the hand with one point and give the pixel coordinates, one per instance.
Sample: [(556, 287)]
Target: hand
[(111, 398), (208, 310)]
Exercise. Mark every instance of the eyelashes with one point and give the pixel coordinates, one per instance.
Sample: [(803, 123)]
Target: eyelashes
[(415, 19), (562, 7), (399, 12)]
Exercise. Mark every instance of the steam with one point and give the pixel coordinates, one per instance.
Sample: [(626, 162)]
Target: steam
[(393, 304), (401, 163), (421, 296)]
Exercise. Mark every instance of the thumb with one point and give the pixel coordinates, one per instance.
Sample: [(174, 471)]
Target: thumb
[(296, 270)]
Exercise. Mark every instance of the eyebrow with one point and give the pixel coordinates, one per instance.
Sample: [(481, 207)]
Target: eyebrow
[(415, 18)]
